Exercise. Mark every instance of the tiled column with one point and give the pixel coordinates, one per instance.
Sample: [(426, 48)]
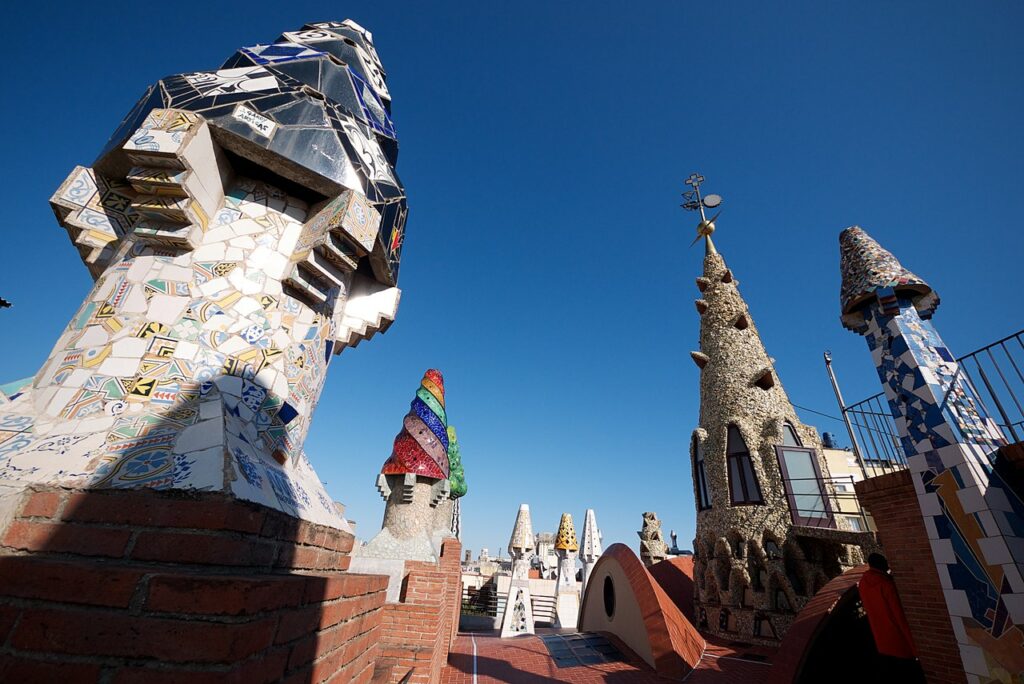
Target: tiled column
[(975, 523)]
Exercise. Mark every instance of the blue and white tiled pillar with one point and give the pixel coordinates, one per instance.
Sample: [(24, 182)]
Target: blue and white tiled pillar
[(975, 522)]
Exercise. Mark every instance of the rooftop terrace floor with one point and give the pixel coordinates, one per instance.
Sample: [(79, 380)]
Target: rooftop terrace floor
[(527, 660)]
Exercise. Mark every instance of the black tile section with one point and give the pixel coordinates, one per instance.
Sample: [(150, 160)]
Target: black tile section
[(322, 88), (572, 650)]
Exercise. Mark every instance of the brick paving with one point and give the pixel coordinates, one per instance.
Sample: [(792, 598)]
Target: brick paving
[(526, 660)]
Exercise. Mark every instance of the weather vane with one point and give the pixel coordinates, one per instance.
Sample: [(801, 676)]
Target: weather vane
[(692, 201)]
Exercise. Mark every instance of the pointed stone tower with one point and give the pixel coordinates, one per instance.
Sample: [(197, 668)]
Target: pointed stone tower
[(767, 539), (590, 547), (518, 616), (567, 606), (974, 518)]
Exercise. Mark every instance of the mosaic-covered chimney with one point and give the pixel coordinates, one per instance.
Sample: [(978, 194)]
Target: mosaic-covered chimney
[(975, 520), (414, 481), (759, 476), (243, 226), (567, 598)]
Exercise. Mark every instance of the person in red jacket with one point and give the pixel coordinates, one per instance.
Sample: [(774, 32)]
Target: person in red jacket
[(889, 627)]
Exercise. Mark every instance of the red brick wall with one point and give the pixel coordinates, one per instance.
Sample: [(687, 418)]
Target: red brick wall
[(142, 586), (418, 631), (892, 502)]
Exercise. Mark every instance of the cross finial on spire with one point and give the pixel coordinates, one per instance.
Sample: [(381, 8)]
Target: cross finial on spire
[(692, 201)]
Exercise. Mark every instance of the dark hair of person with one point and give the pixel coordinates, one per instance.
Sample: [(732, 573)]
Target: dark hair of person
[(878, 562)]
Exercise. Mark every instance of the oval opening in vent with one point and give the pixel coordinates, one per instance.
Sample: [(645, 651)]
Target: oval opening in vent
[(609, 597)]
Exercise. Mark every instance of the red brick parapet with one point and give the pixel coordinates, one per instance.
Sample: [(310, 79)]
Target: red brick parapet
[(892, 502), (418, 631), (173, 526), (133, 586)]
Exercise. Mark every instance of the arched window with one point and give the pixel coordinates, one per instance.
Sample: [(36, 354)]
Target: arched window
[(700, 480), (781, 601), (789, 437), (743, 486), (754, 569)]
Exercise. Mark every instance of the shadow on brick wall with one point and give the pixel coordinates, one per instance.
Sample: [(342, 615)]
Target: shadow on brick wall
[(125, 586)]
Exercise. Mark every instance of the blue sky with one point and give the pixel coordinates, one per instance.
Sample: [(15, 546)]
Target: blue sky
[(546, 270)]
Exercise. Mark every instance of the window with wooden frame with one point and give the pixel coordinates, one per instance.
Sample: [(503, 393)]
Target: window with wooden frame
[(743, 486), (803, 481), (804, 484), (700, 480)]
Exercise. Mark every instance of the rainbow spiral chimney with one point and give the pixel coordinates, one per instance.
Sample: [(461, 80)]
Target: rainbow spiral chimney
[(421, 447)]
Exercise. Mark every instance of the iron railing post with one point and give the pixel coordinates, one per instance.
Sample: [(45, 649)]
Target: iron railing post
[(842, 411)]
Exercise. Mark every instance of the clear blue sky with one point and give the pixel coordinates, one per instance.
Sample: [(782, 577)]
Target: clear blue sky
[(546, 270)]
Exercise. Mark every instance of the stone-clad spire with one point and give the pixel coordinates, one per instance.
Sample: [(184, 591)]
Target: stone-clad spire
[(868, 271), (750, 572), (521, 542), (590, 546)]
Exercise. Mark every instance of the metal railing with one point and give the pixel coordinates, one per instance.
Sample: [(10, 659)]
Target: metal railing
[(488, 602), (874, 435), (545, 608), (996, 369), (991, 377), (482, 601), (821, 502)]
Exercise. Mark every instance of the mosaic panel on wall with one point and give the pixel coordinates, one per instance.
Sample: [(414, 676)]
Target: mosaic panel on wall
[(243, 226)]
